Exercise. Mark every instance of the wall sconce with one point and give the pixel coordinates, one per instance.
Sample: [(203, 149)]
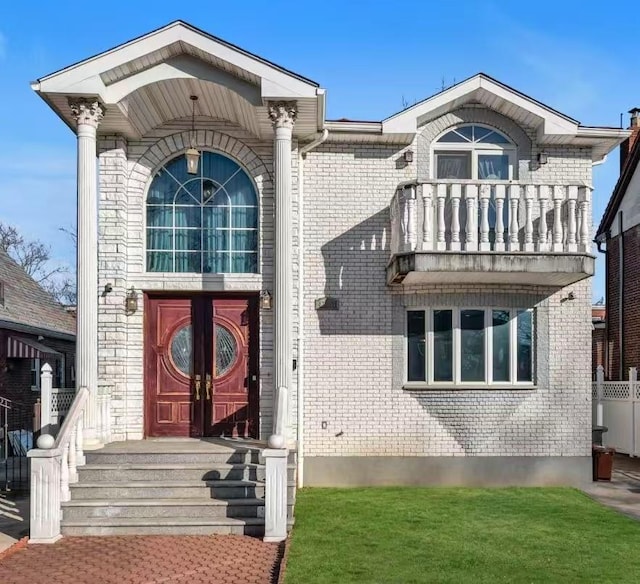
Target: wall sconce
[(408, 156), (192, 155), (543, 158), (131, 302), (570, 296), (108, 288), (265, 300)]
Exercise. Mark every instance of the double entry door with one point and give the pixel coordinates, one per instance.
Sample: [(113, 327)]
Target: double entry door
[(201, 366)]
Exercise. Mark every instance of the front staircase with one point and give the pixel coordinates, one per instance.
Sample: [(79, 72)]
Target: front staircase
[(168, 487)]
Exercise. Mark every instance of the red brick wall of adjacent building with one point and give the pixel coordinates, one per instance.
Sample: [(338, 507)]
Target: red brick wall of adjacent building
[(618, 363), (15, 378)]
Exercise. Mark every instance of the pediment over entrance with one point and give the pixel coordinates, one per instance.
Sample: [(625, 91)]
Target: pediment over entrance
[(148, 81)]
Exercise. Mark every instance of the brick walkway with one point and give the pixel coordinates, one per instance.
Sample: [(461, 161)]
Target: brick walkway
[(145, 559)]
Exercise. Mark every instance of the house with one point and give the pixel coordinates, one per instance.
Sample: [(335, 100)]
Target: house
[(403, 301), (598, 337), (34, 330), (619, 232)]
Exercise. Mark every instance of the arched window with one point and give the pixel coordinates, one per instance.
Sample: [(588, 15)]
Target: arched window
[(474, 152), (202, 223)]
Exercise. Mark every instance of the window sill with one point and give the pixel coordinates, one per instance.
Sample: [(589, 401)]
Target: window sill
[(418, 386)]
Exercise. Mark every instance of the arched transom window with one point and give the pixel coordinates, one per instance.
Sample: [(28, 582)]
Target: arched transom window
[(474, 152), (202, 223)]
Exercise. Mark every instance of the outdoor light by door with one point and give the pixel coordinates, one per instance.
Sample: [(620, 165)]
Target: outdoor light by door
[(131, 302), (192, 154), (265, 300)]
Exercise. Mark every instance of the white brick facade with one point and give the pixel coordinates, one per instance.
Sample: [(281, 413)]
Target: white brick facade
[(354, 357)]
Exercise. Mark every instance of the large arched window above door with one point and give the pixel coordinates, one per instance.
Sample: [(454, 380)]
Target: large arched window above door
[(474, 152), (205, 223)]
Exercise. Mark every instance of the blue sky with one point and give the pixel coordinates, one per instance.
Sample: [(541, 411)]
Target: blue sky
[(370, 56)]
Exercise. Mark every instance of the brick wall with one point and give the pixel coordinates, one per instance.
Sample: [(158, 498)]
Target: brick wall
[(125, 173), (354, 357), (618, 363)]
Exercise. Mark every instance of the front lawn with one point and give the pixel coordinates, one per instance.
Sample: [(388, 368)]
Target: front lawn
[(411, 535)]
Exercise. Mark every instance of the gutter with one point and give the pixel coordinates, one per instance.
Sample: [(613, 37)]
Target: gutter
[(302, 154), (620, 294)]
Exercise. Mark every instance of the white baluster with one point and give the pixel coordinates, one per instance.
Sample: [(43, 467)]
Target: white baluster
[(427, 214), (471, 229), (585, 193), (558, 233), (514, 228), (543, 194), (65, 495), (572, 243), (499, 198), (529, 197), (485, 195), (456, 194), (80, 459), (412, 221), (441, 193), (73, 471)]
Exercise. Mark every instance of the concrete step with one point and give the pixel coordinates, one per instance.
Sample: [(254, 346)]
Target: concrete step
[(184, 489), (93, 473), (179, 456), (148, 508), (164, 526)]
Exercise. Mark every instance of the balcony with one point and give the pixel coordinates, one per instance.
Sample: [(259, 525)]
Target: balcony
[(477, 232)]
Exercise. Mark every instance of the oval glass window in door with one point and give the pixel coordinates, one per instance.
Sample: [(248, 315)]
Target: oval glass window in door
[(182, 350), (226, 350)]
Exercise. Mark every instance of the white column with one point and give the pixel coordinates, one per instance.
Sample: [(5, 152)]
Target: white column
[(88, 114), (283, 116)]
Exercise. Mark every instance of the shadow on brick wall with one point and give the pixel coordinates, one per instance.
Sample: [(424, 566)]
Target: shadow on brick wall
[(356, 298)]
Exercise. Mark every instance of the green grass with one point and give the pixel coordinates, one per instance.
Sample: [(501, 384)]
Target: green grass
[(411, 535)]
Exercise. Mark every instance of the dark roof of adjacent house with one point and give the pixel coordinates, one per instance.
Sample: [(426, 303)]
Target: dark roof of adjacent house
[(619, 190), (27, 304)]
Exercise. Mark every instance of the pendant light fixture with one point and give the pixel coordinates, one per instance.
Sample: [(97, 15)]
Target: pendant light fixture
[(192, 154)]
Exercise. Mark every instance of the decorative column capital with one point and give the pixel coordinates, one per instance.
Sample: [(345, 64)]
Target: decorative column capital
[(86, 111), (283, 113)]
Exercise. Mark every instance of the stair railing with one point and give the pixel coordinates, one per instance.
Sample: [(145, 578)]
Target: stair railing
[(276, 457), (54, 466)]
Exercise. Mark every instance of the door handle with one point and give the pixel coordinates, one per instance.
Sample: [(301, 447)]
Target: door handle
[(197, 382), (207, 386)]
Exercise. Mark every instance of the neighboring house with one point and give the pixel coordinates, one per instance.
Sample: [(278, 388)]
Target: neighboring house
[(419, 286), (598, 337), (34, 330), (619, 231)]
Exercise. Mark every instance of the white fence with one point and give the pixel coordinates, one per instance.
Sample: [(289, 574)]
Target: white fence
[(616, 405), (55, 402)]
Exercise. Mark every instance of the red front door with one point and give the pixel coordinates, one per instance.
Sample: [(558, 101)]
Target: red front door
[(201, 374)]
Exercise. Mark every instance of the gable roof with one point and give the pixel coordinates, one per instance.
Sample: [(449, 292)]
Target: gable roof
[(619, 191), (148, 80), (26, 303)]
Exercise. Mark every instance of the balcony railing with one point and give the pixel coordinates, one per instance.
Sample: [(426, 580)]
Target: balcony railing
[(486, 216)]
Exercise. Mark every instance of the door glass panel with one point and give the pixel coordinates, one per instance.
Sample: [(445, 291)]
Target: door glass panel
[(442, 345), (182, 350), (472, 345), (226, 350)]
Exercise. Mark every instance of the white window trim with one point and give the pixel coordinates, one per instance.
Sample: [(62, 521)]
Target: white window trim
[(511, 150), (36, 366), (457, 383)]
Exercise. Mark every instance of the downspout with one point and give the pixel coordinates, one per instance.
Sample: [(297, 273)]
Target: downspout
[(621, 295), (302, 154), (605, 348)]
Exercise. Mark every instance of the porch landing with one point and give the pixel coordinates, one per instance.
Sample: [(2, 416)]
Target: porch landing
[(178, 445)]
